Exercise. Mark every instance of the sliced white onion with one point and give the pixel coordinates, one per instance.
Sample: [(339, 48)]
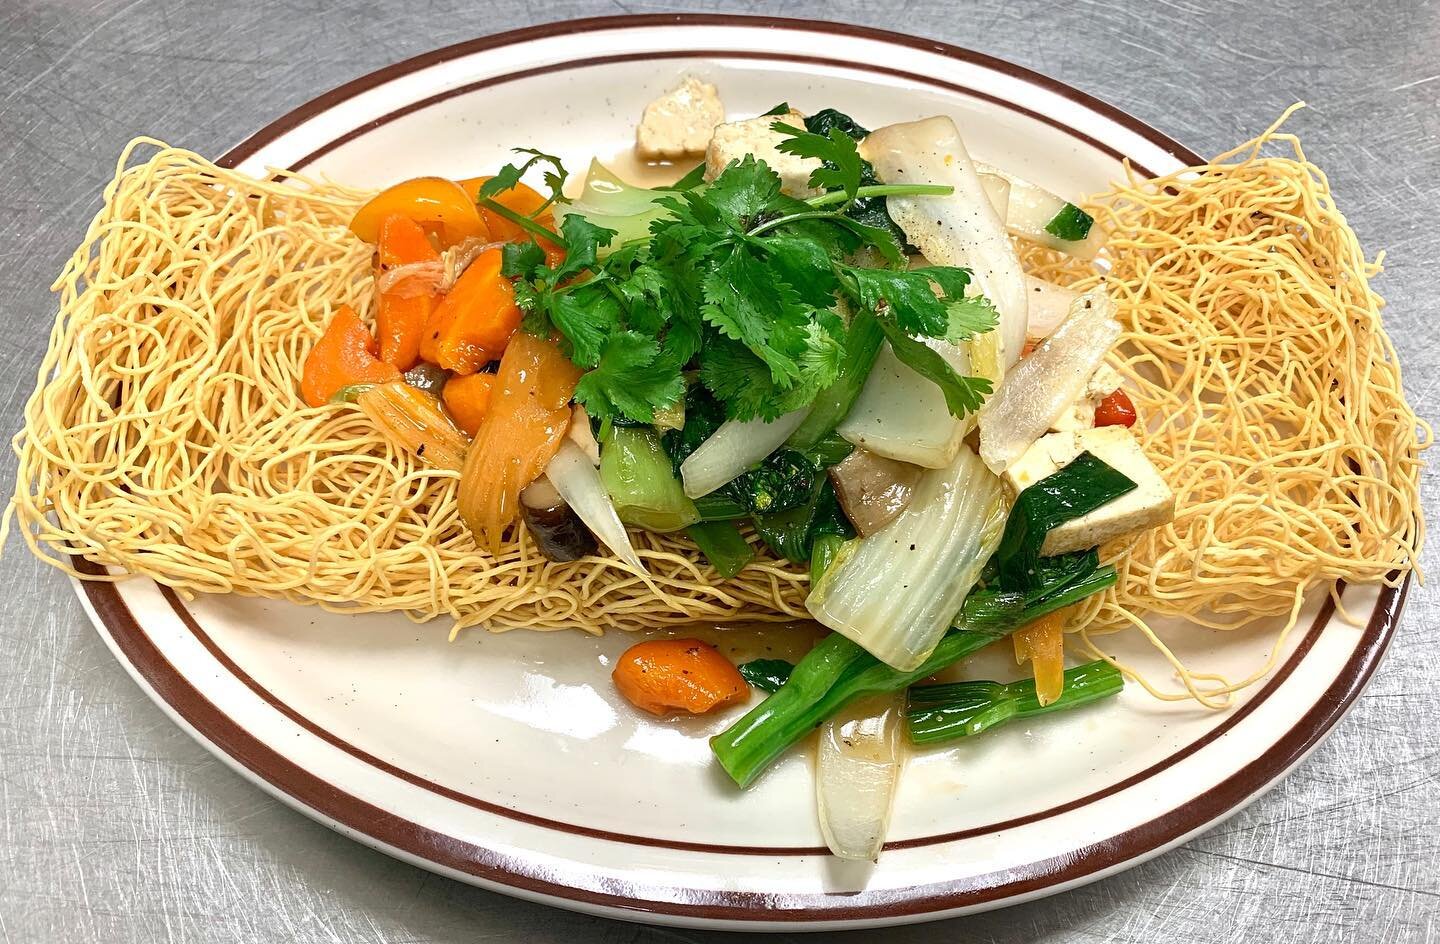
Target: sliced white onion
[(1049, 306), (896, 592), (1029, 208), (578, 482), (582, 435), (857, 768), (961, 229), (734, 449), (902, 415), (1044, 384), (997, 188)]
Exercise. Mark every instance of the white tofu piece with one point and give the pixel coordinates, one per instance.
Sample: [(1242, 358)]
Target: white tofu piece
[(680, 122), (734, 140), (1081, 413), (1151, 503)]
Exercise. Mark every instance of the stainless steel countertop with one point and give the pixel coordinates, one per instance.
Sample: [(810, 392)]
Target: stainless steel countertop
[(116, 827)]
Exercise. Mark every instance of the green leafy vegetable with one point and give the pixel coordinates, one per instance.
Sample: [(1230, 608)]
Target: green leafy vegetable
[(1078, 489), (636, 473), (841, 167), (836, 672), (1071, 224), (938, 713), (766, 674), (509, 175), (722, 544), (822, 555)]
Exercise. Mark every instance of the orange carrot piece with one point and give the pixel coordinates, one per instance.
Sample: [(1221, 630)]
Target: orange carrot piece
[(467, 398), (1043, 644), (665, 675), (400, 317), (474, 322), (432, 201), (528, 416), (344, 355)]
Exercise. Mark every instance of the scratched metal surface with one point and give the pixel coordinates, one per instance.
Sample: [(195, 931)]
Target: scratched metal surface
[(117, 827)]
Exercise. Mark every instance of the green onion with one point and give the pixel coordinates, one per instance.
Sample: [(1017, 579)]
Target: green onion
[(862, 344), (1076, 490), (722, 544), (837, 671), (937, 713), (1071, 224), (767, 674)]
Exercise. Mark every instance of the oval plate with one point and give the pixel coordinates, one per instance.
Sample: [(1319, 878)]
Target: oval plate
[(506, 761)]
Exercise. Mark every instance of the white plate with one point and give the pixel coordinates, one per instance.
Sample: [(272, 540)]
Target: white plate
[(508, 761)]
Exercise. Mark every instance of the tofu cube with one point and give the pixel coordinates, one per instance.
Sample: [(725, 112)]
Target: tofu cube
[(1081, 414), (733, 141), (680, 122), (1151, 503)]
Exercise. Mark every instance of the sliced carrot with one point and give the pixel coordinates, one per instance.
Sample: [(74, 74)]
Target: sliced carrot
[(476, 319), (1042, 643), (430, 201), (400, 317), (468, 399), (665, 675), (344, 355), (520, 199), (528, 415)]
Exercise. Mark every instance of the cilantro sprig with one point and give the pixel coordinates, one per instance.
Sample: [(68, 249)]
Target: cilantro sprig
[(739, 287)]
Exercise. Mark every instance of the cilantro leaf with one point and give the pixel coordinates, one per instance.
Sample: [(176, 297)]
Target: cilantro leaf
[(747, 302), (631, 379), (521, 259), (963, 395), (509, 175), (951, 279), (841, 167), (586, 317), (905, 298), (743, 382), (583, 240), (690, 181), (969, 317), (803, 262), (744, 190)]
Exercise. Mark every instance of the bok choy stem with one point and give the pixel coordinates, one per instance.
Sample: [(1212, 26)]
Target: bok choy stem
[(938, 713)]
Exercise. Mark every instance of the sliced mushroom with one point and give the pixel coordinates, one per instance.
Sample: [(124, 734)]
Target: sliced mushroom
[(872, 489), (559, 533)]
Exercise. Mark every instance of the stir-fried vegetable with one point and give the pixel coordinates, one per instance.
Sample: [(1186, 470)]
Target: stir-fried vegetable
[(414, 421), (873, 490), (723, 546), (528, 417), (467, 397), (608, 201), (401, 314), (837, 671), (736, 447), (901, 415), (1076, 490), (833, 404), (939, 713), (638, 475), (792, 534), (1042, 644), (476, 319), (767, 674), (1050, 305), (857, 768), (578, 482), (344, 355), (440, 205), (1042, 386), (558, 532), (961, 229), (1115, 410), (1039, 215), (896, 592), (427, 378), (667, 675)]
